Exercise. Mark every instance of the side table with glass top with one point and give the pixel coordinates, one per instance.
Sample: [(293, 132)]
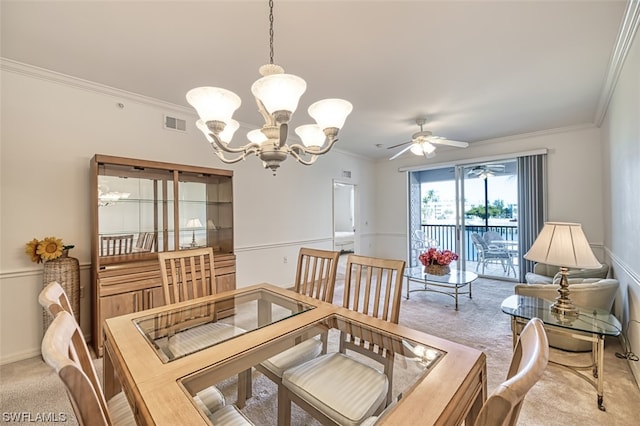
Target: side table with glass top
[(454, 280), (591, 325)]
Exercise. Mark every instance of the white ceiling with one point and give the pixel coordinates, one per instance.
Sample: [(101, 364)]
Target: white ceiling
[(477, 69)]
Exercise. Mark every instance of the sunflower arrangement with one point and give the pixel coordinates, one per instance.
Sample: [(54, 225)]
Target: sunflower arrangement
[(48, 248)]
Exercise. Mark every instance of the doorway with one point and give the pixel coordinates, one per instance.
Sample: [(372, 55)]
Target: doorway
[(344, 217)]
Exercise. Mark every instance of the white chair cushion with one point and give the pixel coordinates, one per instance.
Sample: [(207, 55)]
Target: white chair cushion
[(120, 410), (201, 337), (209, 400), (229, 415), (342, 388), (300, 353)]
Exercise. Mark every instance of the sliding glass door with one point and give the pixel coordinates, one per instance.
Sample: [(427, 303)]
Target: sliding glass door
[(471, 209)]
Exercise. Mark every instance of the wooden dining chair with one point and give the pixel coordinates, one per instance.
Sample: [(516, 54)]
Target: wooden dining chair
[(188, 275), (336, 388), (54, 299), (112, 245), (529, 360), (315, 277), (64, 349)]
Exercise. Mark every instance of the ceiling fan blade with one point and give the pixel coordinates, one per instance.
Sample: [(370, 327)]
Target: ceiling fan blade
[(400, 144), (442, 141), (398, 154)]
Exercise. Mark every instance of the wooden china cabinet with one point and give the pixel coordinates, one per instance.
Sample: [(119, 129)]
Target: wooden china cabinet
[(140, 208)]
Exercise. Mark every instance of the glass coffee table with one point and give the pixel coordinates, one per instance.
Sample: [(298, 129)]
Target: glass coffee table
[(453, 281)]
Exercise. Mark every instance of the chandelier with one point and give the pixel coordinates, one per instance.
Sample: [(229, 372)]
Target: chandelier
[(277, 95)]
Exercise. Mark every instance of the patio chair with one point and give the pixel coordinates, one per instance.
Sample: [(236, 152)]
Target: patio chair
[(492, 254)]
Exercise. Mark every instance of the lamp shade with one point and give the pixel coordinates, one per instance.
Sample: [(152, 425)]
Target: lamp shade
[(311, 135), (194, 223), (564, 245), (330, 112), (279, 92), (213, 103)]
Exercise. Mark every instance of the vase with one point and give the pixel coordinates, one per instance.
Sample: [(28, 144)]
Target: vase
[(437, 269), (66, 271)]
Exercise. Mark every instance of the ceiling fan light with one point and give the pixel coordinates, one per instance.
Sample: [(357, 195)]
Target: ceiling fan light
[(311, 135), (279, 92), (423, 148), (330, 113), (428, 148), (213, 103)]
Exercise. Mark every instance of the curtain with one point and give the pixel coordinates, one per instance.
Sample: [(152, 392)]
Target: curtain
[(532, 204)]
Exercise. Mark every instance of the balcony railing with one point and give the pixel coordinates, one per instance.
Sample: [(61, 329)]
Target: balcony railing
[(445, 235)]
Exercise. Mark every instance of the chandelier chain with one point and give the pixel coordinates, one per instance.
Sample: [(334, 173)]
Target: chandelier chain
[(271, 31)]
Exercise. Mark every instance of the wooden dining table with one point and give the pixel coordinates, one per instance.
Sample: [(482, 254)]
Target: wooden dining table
[(160, 383)]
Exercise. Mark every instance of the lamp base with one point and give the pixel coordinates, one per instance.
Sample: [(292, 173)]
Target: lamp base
[(563, 308), (563, 305)]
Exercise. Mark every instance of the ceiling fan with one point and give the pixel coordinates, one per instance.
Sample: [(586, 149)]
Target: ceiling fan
[(486, 170), (423, 143)]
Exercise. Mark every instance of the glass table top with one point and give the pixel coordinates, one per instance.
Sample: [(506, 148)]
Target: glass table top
[(412, 360), (178, 332), (454, 277), (589, 320)]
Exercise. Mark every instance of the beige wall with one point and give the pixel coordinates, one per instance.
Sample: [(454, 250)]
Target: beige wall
[(621, 158), (52, 125), (574, 171)]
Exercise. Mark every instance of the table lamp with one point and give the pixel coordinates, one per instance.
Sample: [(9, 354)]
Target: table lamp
[(193, 224), (563, 245)]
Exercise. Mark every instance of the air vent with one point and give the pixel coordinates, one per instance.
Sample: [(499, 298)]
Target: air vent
[(174, 123), (346, 174)]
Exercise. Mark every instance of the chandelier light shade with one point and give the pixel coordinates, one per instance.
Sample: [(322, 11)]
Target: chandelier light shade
[(311, 135), (566, 246), (277, 95), (214, 103)]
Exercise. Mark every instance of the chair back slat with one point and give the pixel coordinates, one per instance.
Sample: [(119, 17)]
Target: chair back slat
[(187, 274), (377, 291), (316, 273), (112, 245)]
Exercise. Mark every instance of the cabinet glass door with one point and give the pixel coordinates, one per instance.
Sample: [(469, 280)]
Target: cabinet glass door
[(133, 213)]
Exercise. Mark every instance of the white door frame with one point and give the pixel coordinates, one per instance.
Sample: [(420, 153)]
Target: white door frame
[(354, 212)]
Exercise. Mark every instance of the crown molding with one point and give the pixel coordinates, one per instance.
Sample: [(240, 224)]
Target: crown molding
[(628, 28), (31, 71)]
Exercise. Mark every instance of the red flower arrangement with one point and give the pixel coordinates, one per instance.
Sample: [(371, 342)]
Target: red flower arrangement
[(433, 256)]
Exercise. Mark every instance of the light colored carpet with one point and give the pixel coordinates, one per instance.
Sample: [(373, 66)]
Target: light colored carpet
[(560, 398)]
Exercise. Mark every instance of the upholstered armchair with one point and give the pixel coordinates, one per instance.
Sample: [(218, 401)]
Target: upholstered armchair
[(544, 274), (584, 293)]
